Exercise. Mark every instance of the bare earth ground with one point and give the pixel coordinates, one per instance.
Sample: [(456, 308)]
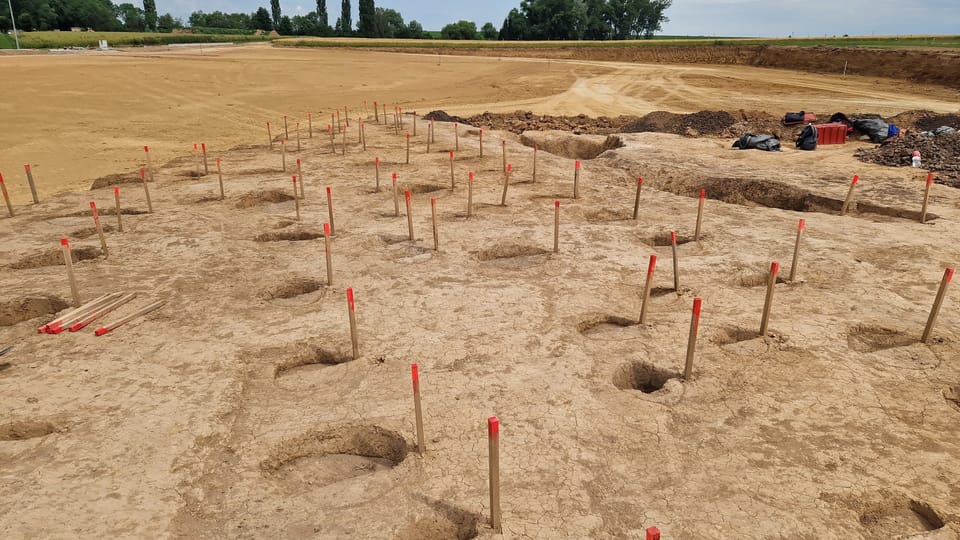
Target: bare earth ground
[(236, 411)]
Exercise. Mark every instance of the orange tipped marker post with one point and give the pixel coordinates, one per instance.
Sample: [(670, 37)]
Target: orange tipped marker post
[(327, 251), (396, 197), (152, 307), (116, 196), (68, 262), (406, 195), (376, 165), (576, 179), (96, 224), (452, 183), (408, 148), (360, 131), (556, 226), (647, 286), (146, 190), (481, 143), (146, 150), (676, 262), (456, 136), (935, 312), (926, 198), (6, 196), (283, 155), (343, 130), (351, 306), (801, 226), (636, 201), (269, 135), (376, 112), (470, 195), (414, 123), (415, 374), (536, 150), (333, 229), (493, 438), (196, 159), (653, 533), (768, 302), (849, 199), (286, 130), (220, 178), (206, 167), (309, 125), (692, 339), (333, 146), (363, 135), (703, 198), (296, 198), (503, 151), (297, 129), (33, 186), (506, 183), (300, 175), (436, 231)]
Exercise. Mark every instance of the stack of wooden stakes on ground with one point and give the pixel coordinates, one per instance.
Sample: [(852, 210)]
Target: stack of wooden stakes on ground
[(86, 313)]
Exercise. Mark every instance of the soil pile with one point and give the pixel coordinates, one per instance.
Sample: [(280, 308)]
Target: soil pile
[(940, 155), (698, 123)]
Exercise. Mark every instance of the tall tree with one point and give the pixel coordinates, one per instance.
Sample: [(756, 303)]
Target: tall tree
[(275, 11), (261, 20), (150, 14), (366, 26), (345, 26), (322, 14)]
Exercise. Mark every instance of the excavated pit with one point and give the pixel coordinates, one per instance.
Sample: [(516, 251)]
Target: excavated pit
[(642, 376), (29, 307), (262, 197), (569, 145), (54, 257), (897, 516), (25, 429), (288, 236), (869, 338), (291, 289)]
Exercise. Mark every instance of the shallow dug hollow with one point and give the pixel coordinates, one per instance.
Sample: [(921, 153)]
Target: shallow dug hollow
[(54, 257), (868, 338), (952, 394), (292, 288), (566, 144), (731, 335), (599, 324), (642, 376), (25, 429), (114, 180), (896, 516), (305, 355), (290, 236), (29, 307), (323, 457), (446, 522), (257, 198), (509, 251)]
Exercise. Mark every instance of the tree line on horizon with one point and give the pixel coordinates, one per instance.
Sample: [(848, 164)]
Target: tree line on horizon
[(532, 20)]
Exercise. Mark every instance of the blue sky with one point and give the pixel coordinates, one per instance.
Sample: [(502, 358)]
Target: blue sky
[(687, 17)]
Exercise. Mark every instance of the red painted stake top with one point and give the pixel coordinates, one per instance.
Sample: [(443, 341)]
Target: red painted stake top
[(194, 147), (451, 154), (929, 178), (653, 264), (93, 206), (218, 161), (557, 203), (26, 167), (298, 160), (64, 242), (673, 237), (802, 225), (639, 180), (116, 190), (653, 533), (774, 268), (1, 178), (415, 373), (493, 427), (376, 160), (703, 194), (696, 308), (578, 165), (509, 167), (471, 176), (856, 178), (203, 146), (948, 275), (328, 191), (408, 135), (146, 148), (394, 178), (143, 174), (407, 195), (326, 229), (433, 202), (350, 302), (294, 180)]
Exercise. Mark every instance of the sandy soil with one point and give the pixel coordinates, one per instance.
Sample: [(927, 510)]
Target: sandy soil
[(236, 411)]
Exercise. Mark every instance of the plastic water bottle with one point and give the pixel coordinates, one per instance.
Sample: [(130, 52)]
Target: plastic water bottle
[(916, 159)]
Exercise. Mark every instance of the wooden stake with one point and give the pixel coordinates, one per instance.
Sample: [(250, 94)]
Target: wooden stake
[(339, 125), (363, 135), (396, 197), (146, 150), (333, 146), (676, 262), (414, 123), (536, 150), (384, 113), (935, 312), (353, 324), (503, 148), (286, 131), (220, 179), (376, 165), (333, 120), (470, 195), (346, 115), (456, 136), (116, 196), (68, 262), (269, 136), (452, 183), (146, 190), (309, 125), (343, 129), (406, 195), (152, 307), (206, 167), (576, 179), (99, 312), (433, 131), (333, 229), (556, 227), (768, 302), (376, 112), (506, 184), (196, 158), (796, 251), (283, 155), (692, 339), (415, 372), (846, 202), (926, 198), (96, 225), (429, 135), (703, 198), (636, 202), (296, 198), (33, 187), (647, 286), (327, 251), (493, 437), (436, 231), (300, 176), (6, 196), (408, 148), (57, 325), (360, 131), (481, 143), (297, 128)]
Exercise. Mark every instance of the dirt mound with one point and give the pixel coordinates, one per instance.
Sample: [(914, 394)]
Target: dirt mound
[(442, 116), (520, 121), (941, 155), (698, 123), (258, 198), (565, 144), (115, 180)]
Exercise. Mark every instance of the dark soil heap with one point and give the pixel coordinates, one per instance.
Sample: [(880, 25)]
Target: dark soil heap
[(939, 154)]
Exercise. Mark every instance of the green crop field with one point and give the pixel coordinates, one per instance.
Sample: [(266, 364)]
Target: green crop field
[(56, 40), (665, 41)]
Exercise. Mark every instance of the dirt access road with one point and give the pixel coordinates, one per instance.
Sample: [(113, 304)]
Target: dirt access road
[(79, 117)]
